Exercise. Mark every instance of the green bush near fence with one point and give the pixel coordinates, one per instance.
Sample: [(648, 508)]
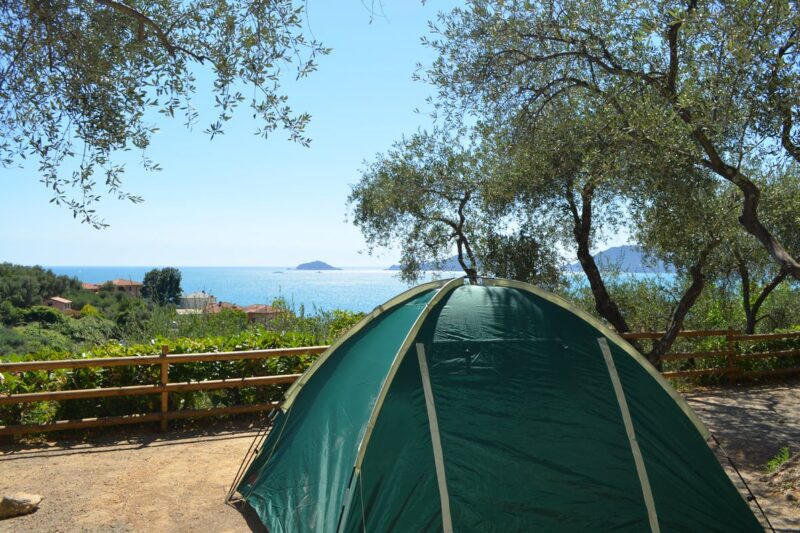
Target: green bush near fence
[(256, 338), (742, 364)]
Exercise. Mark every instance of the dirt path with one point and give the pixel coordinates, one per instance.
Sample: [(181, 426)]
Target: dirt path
[(144, 484), (149, 482), (753, 424)]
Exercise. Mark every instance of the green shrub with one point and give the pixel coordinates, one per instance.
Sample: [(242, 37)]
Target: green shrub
[(41, 339), (90, 310), (90, 330), (43, 315), (9, 315), (777, 461), (12, 341)]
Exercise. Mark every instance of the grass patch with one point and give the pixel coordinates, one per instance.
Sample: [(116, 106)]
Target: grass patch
[(779, 459)]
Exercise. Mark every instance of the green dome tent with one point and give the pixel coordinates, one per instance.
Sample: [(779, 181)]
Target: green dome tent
[(488, 406)]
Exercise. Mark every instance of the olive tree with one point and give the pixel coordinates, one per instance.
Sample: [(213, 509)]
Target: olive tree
[(427, 197), (423, 196), (749, 266), (688, 233), (703, 84), (582, 180), (81, 79)]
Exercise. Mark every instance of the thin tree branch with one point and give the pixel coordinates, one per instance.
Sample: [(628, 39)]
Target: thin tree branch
[(162, 37), (765, 292), (672, 40)]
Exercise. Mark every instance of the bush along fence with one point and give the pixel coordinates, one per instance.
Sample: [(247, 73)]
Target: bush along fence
[(52, 395), (247, 393)]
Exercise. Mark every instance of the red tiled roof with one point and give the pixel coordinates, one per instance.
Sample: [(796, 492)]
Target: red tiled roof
[(217, 307), (261, 309), (125, 283), (89, 286)]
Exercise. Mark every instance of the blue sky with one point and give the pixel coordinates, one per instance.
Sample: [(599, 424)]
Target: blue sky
[(240, 200)]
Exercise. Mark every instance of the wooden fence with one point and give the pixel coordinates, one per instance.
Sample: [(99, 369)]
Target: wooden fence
[(731, 355), (164, 387)]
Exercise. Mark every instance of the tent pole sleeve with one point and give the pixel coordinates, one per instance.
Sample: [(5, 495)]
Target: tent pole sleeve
[(348, 500), (626, 419), (398, 358), (436, 441), (292, 391), (614, 337)]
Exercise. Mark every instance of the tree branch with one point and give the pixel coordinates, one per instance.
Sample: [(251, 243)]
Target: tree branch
[(162, 37), (787, 123), (662, 345), (672, 40), (744, 275), (765, 292), (582, 227), (470, 269)]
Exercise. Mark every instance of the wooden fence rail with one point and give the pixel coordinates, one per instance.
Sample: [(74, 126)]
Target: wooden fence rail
[(731, 353), (164, 387)]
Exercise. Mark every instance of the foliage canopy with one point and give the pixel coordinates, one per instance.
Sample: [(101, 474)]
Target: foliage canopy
[(162, 286), (23, 286), (704, 85)]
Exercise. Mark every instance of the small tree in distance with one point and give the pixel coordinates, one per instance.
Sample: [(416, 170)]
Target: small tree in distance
[(162, 286)]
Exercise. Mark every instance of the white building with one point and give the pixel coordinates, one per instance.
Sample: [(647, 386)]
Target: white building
[(197, 300)]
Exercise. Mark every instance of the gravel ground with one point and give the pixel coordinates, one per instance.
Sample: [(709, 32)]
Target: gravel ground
[(752, 425), (146, 481)]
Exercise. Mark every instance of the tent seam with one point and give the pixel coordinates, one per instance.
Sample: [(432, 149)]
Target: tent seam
[(630, 431), (400, 299), (616, 339)]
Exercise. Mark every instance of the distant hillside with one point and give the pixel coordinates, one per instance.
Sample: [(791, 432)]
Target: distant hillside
[(448, 265), (627, 258), (316, 265)]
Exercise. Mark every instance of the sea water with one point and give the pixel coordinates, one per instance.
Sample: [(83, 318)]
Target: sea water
[(356, 289)]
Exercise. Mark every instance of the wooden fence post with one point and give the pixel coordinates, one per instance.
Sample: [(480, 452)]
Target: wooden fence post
[(164, 382), (731, 347)]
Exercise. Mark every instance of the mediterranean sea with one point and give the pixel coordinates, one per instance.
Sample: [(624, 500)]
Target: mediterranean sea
[(355, 289)]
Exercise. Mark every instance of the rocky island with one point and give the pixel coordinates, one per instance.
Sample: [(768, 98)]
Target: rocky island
[(316, 265)]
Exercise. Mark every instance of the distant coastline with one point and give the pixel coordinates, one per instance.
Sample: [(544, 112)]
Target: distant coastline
[(353, 288)]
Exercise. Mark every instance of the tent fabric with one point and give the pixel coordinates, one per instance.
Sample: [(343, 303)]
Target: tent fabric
[(534, 432), (309, 445)]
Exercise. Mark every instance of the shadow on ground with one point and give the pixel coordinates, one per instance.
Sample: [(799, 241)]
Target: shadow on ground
[(752, 423), (178, 481)]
